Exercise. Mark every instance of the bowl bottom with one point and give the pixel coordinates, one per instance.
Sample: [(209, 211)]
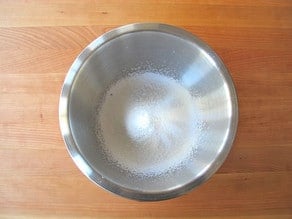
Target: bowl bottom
[(148, 124)]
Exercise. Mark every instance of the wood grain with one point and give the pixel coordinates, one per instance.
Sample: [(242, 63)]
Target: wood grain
[(89, 12), (39, 41)]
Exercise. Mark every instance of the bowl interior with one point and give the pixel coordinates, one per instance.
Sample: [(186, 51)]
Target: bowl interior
[(191, 65)]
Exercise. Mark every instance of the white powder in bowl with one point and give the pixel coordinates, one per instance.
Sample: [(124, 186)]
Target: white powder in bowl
[(147, 123)]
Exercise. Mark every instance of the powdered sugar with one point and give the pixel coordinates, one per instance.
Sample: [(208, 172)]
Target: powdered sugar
[(147, 123)]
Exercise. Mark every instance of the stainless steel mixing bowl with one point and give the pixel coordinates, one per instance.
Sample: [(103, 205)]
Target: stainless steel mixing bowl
[(171, 52)]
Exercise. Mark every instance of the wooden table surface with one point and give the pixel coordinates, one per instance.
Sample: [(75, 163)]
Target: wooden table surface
[(39, 41)]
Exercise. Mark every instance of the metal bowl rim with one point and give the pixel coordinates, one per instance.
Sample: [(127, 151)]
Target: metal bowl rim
[(81, 161)]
